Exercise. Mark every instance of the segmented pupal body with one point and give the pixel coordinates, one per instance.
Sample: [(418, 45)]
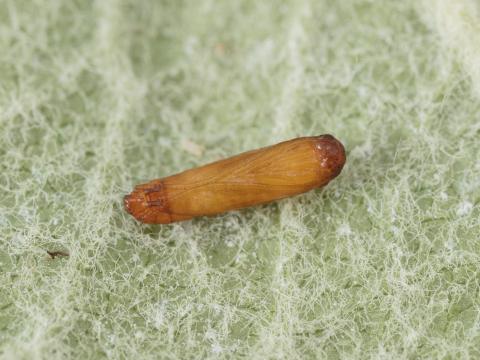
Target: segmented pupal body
[(251, 178)]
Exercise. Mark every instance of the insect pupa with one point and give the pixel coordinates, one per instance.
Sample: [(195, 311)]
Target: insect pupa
[(255, 177)]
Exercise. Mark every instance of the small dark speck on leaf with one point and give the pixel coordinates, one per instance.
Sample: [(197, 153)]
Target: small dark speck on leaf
[(54, 254)]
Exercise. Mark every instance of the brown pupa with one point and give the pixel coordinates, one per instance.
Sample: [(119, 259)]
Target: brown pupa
[(251, 178)]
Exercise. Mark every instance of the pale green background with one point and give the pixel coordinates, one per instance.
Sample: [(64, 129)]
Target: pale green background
[(96, 97)]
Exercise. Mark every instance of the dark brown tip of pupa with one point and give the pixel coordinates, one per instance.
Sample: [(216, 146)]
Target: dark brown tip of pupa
[(332, 153)]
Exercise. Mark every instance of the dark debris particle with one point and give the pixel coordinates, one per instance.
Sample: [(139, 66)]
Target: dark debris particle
[(54, 254)]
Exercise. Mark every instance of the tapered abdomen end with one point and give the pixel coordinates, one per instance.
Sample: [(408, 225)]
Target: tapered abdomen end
[(133, 203), (147, 203), (331, 154)]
